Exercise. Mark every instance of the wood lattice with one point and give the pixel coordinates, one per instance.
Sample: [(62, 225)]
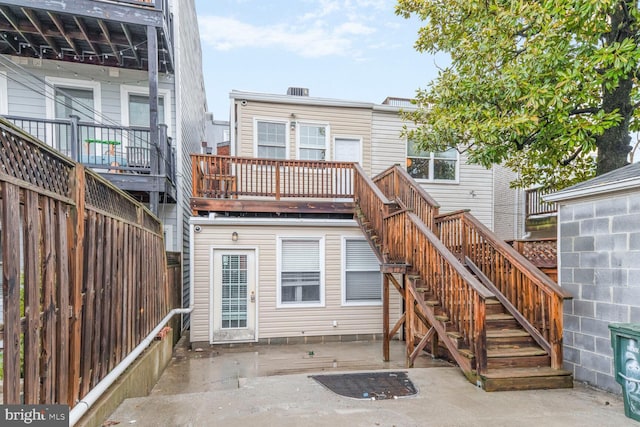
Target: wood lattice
[(109, 199), (542, 253), (25, 158)]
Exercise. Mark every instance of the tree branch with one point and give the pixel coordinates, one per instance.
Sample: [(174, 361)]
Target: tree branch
[(572, 157), (590, 110), (635, 106)]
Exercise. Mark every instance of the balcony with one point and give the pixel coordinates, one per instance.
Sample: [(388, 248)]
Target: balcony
[(98, 32), (540, 216), (123, 155), (242, 185)]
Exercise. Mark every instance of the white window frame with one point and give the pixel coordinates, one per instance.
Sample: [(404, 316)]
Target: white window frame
[(432, 158), (126, 90), (327, 132), (59, 82), (344, 277), (4, 93), (287, 142), (321, 262)]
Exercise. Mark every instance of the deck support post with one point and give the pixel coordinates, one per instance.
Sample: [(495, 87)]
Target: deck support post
[(385, 317), (154, 131), (409, 310)]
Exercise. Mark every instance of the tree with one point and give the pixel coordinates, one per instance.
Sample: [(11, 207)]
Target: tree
[(539, 86)]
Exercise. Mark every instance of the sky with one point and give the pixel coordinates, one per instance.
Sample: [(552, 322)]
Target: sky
[(355, 50)]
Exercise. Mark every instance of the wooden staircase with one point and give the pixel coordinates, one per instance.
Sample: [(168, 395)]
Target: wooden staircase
[(467, 295)]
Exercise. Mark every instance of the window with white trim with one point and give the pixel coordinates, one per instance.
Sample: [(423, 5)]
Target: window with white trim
[(432, 166), (362, 277), (271, 140), (312, 142), (301, 271)]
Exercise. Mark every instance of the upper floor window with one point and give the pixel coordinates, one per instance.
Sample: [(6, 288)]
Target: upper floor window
[(313, 142), (432, 166), (271, 140)]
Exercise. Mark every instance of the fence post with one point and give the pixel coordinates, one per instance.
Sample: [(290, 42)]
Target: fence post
[(75, 228), (75, 137)]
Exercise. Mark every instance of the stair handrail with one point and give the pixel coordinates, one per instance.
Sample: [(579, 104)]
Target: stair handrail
[(373, 204), (531, 292), (396, 183), (450, 282)]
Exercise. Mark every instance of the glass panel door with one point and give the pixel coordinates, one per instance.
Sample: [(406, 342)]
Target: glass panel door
[(234, 291), (234, 296)]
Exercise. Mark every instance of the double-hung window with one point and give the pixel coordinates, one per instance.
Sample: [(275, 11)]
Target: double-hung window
[(362, 277), (301, 275), (271, 140), (312, 142), (432, 166)]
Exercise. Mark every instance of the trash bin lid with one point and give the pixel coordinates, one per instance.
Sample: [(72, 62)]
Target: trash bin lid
[(629, 328)]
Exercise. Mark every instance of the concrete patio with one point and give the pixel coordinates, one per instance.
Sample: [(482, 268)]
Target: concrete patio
[(270, 386)]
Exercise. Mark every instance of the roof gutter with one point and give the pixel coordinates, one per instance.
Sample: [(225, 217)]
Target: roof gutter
[(592, 191)]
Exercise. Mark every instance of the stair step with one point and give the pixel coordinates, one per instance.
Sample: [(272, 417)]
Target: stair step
[(442, 317), (500, 321), (507, 333), (544, 371), (432, 303), (516, 352), (465, 352), (511, 379)]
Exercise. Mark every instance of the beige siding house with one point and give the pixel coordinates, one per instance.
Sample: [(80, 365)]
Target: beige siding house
[(312, 278)]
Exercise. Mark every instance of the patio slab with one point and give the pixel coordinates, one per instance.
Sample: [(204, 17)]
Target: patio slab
[(271, 386)]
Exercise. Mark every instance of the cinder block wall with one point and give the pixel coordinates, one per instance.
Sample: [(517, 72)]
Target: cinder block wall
[(600, 265)]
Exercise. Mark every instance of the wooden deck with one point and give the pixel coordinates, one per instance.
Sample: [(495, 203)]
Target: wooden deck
[(236, 184)]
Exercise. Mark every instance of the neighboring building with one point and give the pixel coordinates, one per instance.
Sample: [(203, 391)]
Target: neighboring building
[(307, 270), (599, 263), (217, 134), (116, 85)]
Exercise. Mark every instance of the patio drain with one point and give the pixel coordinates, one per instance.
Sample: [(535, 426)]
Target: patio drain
[(369, 385)]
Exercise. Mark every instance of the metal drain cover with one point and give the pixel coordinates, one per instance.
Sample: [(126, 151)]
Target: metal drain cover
[(369, 385)]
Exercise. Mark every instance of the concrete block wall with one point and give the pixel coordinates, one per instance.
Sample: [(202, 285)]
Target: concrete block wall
[(600, 265)]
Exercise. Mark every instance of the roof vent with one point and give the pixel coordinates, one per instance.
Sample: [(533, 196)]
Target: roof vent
[(298, 91)]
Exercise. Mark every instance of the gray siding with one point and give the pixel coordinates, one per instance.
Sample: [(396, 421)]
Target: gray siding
[(27, 95), (600, 265), (192, 107)]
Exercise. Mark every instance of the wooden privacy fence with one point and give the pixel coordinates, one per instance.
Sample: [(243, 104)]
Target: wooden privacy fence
[(225, 177), (89, 263)]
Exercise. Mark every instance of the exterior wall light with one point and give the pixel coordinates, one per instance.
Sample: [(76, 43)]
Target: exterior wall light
[(234, 236)]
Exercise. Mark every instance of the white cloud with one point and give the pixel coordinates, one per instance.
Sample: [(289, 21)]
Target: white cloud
[(315, 41), (322, 28)]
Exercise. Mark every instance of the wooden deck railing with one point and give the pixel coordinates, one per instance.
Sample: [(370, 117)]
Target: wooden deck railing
[(396, 184), (460, 294), (534, 205), (90, 264), (231, 177), (531, 292), (374, 206), (406, 239)]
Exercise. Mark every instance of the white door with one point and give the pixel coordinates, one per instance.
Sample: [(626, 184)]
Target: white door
[(234, 295), (346, 150)]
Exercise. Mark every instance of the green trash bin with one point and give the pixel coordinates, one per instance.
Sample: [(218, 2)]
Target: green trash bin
[(625, 340)]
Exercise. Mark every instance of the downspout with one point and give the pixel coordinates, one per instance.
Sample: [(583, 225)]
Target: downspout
[(92, 397)]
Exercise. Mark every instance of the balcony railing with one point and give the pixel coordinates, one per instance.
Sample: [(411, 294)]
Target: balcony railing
[(232, 177), (534, 205), (105, 148)]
